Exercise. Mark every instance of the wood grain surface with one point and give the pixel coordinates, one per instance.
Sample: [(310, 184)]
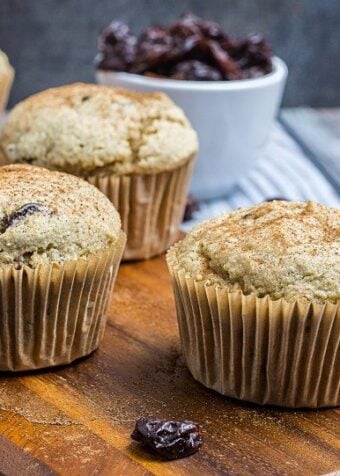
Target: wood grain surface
[(77, 420)]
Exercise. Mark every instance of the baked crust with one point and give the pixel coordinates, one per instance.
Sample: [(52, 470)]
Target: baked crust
[(287, 250), (50, 216), (87, 129)]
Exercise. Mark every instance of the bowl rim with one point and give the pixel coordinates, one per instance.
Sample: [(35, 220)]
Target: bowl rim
[(279, 72)]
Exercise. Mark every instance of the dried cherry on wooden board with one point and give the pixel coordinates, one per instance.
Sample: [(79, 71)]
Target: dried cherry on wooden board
[(167, 438), (188, 49)]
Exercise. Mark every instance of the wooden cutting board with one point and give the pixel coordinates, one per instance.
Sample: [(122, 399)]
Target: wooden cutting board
[(77, 420)]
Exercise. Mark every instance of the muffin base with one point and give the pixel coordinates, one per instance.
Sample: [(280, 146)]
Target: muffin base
[(55, 314), (151, 207), (258, 349)]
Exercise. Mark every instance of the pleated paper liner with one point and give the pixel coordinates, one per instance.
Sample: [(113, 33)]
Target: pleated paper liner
[(151, 207), (55, 314), (258, 349), (6, 80)]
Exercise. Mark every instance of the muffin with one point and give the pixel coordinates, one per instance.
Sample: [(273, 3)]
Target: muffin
[(60, 246), (137, 148), (6, 80), (258, 302)]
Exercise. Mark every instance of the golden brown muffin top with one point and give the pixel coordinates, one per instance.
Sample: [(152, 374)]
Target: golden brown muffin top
[(50, 216), (90, 129), (282, 249)]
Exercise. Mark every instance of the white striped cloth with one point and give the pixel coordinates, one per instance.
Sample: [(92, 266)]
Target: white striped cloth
[(283, 171)]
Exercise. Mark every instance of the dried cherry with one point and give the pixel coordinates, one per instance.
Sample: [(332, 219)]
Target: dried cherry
[(167, 438), (188, 49), (22, 212), (191, 207), (117, 47), (277, 199), (195, 70)]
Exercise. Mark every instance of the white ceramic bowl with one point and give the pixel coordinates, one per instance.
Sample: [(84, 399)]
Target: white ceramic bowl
[(232, 118)]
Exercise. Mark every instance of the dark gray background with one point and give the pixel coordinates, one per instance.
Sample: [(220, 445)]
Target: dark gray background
[(51, 42)]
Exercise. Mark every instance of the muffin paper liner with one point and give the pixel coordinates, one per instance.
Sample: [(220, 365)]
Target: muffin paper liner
[(257, 349), (6, 80), (54, 314), (151, 207)]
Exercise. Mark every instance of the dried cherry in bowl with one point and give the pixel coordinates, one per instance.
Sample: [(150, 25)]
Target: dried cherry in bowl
[(232, 119)]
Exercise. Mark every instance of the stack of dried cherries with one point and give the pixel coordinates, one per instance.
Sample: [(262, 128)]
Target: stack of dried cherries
[(188, 49)]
